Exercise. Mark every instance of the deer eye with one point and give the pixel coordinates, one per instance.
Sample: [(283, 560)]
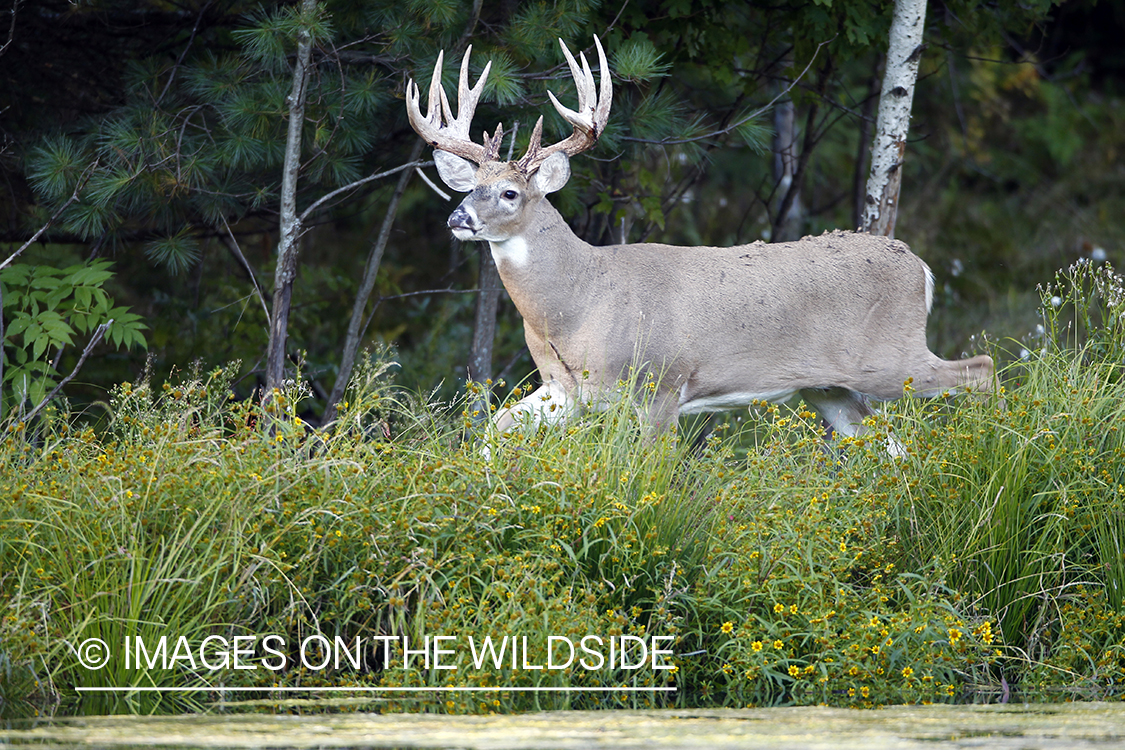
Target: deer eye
[(510, 195)]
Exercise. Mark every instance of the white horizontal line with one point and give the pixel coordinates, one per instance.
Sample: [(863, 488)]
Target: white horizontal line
[(290, 689)]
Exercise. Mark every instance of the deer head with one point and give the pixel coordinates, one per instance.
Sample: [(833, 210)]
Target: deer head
[(509, 190)]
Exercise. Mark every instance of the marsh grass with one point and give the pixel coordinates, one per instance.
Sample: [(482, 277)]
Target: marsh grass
[(1018, 496), (984, 563)]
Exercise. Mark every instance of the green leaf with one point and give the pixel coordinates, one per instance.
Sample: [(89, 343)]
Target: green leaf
[(38, 346), (16, 274), (18, 325), (36, 368), (43, 281), (138, 339)]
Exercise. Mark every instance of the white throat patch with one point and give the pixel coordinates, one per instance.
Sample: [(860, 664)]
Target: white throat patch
[(512, 250)]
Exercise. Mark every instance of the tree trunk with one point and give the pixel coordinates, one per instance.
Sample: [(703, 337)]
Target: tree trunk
[(289, 242), (357, 325), (895, 101), (484, 329), (787, 225)]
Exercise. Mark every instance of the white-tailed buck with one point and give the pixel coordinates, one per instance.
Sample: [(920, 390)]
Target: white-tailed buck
[(839, 318)]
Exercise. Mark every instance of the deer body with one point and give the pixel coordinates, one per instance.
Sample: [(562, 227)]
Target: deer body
[(839, 318)]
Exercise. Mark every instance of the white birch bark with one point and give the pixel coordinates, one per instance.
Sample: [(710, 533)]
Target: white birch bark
[(895, 101)]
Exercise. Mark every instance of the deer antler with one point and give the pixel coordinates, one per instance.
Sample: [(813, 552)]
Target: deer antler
[(444, 131), (440, 128), (589, 120)]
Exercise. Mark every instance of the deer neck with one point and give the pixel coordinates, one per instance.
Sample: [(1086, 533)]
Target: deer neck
[(542, 265)]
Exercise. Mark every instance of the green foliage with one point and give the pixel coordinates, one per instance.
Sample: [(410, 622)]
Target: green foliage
[(178, 252), (273, 35), (186, 123), (45, 309), (1019, 498), (200, 144), (638, 60), (783, 572)]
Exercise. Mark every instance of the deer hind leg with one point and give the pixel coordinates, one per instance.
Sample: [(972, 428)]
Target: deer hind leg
[(844, 410), (550, 403)]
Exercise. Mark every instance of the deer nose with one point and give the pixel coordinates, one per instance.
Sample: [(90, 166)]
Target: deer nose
[(462, 218)]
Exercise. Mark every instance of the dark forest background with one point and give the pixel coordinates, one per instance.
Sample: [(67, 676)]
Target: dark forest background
[(148, 137)]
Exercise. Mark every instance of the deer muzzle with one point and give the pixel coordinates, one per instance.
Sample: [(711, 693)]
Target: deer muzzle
[(463, 222)]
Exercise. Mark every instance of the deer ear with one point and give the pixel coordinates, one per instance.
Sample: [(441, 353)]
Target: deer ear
[(552, 173), (459, 174)]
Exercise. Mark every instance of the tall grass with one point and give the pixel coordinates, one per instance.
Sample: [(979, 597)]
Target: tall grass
[(1018, 497), (985, 562)]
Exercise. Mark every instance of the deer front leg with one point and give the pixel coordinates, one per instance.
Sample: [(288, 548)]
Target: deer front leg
[(549, 403)]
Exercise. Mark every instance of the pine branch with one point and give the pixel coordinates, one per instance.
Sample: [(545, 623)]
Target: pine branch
[(55, 216), (738, 123)]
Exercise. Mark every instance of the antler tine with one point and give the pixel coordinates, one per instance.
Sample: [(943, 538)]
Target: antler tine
[(589, 120), (583, 79), (492, 143), (439, 127), (605, 96), (533, 146), (436, 99), (467, 97)]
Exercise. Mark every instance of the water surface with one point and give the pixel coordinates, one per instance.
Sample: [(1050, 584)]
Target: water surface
[(999, 727)]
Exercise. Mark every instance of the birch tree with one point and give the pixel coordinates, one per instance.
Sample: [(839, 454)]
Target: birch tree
[(895, 102)]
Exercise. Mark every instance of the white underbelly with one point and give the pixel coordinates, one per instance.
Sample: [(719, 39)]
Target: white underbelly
[(726, 401)]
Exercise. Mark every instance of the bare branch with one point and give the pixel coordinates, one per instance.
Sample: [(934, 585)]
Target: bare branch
[(232, 245), (183, 53), (356, 328), (54, 217), (352, 186), (444, 195), (11, 27), (94, 341)]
